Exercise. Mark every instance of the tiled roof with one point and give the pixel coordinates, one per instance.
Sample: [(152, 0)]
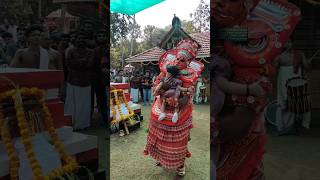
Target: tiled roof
[(154, 53), (204, 40)]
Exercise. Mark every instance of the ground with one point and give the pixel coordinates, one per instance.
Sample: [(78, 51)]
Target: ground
[(286, 158), (293, 157)]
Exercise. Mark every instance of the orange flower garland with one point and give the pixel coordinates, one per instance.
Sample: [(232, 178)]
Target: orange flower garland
[(114, 114), (70, 163), (119, 95)]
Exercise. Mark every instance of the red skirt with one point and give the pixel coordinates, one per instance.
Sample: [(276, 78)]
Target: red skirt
[(168, 144), (242, 160)]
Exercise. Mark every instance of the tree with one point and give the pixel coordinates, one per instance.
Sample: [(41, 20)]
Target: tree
[(201, 17), (153, 35), (15, 9), (189, 27), (134, 33), (119, 28)]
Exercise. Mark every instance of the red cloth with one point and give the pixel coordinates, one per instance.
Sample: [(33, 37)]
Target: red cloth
[(168, 144), (242, 159)]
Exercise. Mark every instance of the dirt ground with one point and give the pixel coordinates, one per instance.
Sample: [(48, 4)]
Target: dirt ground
[(293, 157)]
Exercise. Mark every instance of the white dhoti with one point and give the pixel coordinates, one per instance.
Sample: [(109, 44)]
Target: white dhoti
[(135, 95), (78, 104), (284, 118)]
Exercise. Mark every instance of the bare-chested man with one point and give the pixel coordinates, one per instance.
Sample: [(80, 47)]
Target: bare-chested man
[(33, 56), (81, 65), (55, 58)]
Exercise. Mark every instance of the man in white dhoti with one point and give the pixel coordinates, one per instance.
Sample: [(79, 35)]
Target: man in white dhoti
[(81, 65), (289, 64), (134, 92)]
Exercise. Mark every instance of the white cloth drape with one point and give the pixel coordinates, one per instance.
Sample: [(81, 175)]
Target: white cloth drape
[(78, 104)]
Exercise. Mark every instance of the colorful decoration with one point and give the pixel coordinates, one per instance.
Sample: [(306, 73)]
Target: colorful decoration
[(26, 132), (268, 25), (117, 97)]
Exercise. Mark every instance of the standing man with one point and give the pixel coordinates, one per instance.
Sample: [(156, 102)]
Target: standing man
[(88, 29), (139, 84), (81, 65), (118, 78), (33, 56), (289, 64), (146, 85), (134, 88)]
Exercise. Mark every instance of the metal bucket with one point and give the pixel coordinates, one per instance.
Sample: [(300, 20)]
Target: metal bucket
[(270, 114)]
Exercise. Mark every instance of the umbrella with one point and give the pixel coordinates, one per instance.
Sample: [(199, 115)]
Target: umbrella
[(131, 7)]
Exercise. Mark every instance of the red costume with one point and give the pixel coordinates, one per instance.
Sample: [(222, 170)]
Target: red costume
[(167, 141), (266, 26)]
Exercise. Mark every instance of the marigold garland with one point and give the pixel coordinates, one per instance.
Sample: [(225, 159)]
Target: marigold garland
[(114, 114), (119, 95), (70, 164)]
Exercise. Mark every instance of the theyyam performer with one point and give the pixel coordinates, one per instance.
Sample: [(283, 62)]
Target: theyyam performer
[(171, 112), (253, 33)]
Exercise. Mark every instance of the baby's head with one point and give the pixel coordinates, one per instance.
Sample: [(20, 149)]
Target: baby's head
[(173, 70)]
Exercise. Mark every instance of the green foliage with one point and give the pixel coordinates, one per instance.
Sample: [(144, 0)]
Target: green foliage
[(152, 35), (119, 27), (15, 9), (124, 33), (189, 27)]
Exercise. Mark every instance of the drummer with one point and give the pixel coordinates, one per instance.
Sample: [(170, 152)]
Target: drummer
[(289, 64)]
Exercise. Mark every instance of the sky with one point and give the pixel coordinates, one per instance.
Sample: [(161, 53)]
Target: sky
[(160, 15)]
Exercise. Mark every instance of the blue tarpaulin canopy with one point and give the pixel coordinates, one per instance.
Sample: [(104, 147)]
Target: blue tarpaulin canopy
[(131, 7)]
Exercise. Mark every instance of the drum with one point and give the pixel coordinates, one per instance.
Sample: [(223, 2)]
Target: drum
[(298, 96)]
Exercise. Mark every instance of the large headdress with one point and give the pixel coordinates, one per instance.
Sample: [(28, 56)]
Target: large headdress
[(183, 56)]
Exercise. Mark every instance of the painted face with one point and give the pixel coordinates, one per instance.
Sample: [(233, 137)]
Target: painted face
[(182, 62), (228, 13)]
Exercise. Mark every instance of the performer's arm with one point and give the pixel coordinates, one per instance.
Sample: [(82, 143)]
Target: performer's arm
[(230, 87), (239, 89), (189, 89)]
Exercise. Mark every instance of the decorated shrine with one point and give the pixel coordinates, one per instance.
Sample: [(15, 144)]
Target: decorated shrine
[(125, 115), (37, 140)]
